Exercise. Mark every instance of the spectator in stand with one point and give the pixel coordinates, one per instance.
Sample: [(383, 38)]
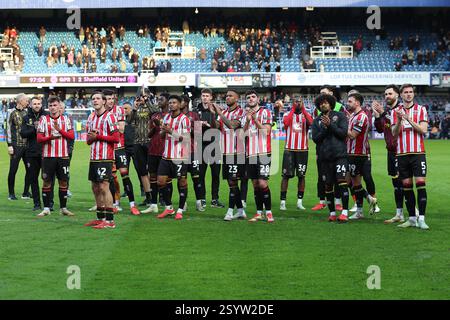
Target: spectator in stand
[(70, 57), (202, 54), (114, 68), (277, 67), (391, 45), (214, 65), (42, 34), (114, 55), (358, 45), (50, 62), (433, 56), (410, 57), (79, 59), (404, 58), (81, 34), (247, 67), (419, 57), (427, 57), (122, 33), (277, 107), (289, 50), (417, 42), (40, 49), (398, 66), (445, 125), (123, 66), (168, 66), (103, 54)]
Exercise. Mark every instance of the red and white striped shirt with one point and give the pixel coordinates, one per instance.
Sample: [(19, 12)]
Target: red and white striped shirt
[(409, 140), (297, 133), (119, 112), (105, 125), (174, 149), (259, 140), (55, 148), (359, 122), (230, 142)]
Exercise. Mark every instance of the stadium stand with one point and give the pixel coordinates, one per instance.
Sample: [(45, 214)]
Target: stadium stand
[(288, 47)]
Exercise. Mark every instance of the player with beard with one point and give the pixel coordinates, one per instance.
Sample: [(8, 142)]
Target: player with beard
[(143, 110), (103, 134), (33, 153), (295, 157), (155, 152), (233, 150), (121, 161), (194, 165), (175, 129), (358, 150), (410, 124), (383, 124), (257, 124)]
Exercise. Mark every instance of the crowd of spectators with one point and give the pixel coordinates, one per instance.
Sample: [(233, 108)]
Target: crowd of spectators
[(9, 40), (262, 46), (415, 54)]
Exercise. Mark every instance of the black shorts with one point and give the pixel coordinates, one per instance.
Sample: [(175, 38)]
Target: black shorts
[(412, 165), (334, 171), (58, 167), (392, 164), (172, 169), (194, 167), (359, 165), (294, 162), (100, 171), (153, 164), (140, 159), (233, 166), (258, 167), (121, 159)]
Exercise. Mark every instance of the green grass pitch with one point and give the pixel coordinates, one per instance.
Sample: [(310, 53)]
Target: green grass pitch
[(300, 256)]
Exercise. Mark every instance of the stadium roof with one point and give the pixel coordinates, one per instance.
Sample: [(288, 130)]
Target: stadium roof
[(63, 4)]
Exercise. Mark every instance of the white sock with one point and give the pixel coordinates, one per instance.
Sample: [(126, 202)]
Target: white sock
[(322, 202), (337, 201), (230, 211), (169, 207), (345, 212), (421, 218), (131, 204), (259, 212), (116, 203), (332, 213), (413, 219), (240, 210), (46, 208), (399, 212), (268, 211), (283, 201), (359, 210), (180, 211), (300, 201)]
